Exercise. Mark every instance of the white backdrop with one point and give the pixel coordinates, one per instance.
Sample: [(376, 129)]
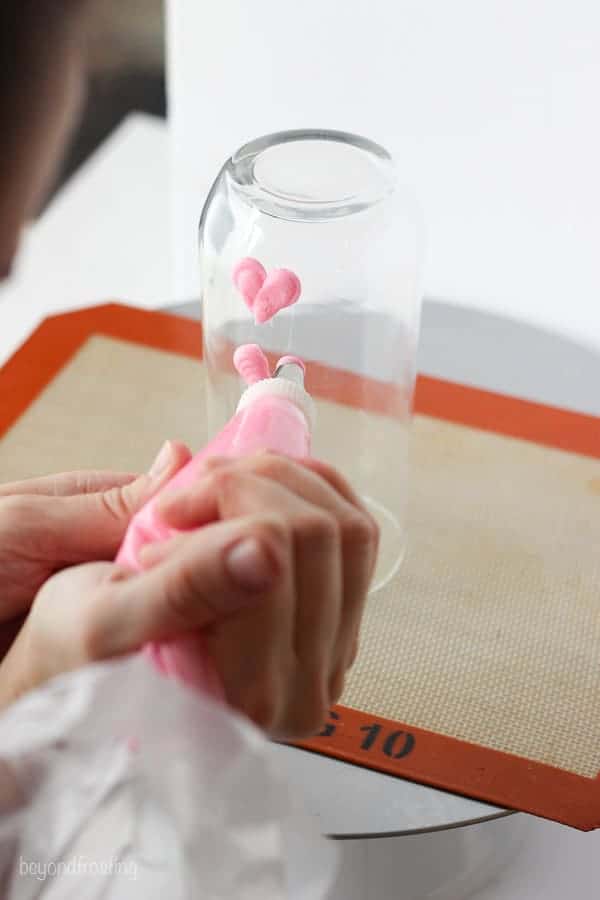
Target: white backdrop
[(490, 106)]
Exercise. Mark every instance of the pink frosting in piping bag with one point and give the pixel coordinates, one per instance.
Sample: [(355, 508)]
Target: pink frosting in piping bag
[(274, 414)]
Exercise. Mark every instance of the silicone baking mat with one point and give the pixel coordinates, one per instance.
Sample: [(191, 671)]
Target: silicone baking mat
[(479, 667)]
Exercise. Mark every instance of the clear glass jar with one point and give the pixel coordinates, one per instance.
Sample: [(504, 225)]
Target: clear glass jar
[(327, 206)]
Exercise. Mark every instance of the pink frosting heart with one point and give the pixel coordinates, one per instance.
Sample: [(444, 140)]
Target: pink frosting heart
[(251, 363), (249, 276), (281, 288)]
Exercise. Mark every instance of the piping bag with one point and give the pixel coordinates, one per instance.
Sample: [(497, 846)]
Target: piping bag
[(195, 805), (275, 413)]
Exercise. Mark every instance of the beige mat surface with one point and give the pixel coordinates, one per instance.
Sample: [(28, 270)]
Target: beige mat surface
[(479, 666), (491, 630)]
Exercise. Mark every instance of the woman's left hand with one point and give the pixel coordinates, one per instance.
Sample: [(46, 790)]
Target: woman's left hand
[(49, 523)]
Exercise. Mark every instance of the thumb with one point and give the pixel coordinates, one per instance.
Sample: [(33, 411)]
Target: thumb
[(92, 526), (210, 575)]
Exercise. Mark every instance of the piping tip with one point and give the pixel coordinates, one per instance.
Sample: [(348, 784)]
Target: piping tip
[(291, 368)]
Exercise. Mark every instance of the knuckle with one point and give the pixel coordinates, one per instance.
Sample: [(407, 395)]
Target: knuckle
[(223, 484), (360, 531), (335, 478), (15, 509), (275, 533), (115, 503), (318, 528), (29, 517), (222, 479), (270, 465), (212, 463), (183, 594), (330, 474)]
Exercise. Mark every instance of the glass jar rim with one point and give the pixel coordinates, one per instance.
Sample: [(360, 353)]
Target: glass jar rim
[(263, 173)]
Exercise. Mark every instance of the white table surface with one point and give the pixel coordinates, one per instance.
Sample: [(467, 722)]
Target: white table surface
[(108, 231)]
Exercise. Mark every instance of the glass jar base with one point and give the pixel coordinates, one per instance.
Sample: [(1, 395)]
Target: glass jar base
[(392, 544)]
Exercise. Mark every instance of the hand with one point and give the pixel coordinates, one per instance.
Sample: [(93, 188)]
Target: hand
[(276, 580), (49, 523), (284, 663)]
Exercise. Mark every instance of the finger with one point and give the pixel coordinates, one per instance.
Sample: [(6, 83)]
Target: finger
[(318, 592), (189, 507), (213, 573), (343, 487), (91, 526), (360, 541), (238, 491), (198, 504), (67, 483), (216, 462), (335, 479), (324, 486), (303, 664), (216, 495), (253, 652), (319, 614), (195, 505)]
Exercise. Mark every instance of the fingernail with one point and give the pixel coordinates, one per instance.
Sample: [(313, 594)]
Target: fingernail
[(250, 566), (162, 461)]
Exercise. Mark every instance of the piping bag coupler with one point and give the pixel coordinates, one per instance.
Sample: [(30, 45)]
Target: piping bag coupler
[(274, 414)]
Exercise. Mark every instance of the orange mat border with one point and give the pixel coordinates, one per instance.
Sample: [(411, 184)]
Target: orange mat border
[(356, 737)]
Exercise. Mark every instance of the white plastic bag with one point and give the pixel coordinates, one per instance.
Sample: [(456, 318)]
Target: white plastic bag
[(118, 783)]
